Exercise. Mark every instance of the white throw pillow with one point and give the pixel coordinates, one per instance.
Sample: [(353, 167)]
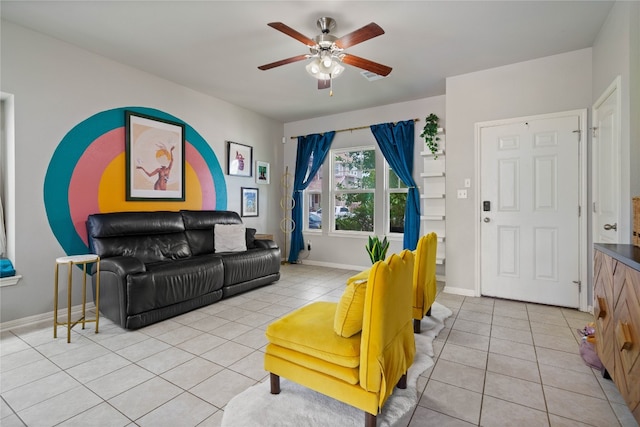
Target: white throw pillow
[(229, 237)]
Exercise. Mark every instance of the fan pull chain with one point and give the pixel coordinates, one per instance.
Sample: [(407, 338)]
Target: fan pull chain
[(330, 85)]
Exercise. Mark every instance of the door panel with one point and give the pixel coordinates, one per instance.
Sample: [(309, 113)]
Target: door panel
[(530, 240), (606, 167)]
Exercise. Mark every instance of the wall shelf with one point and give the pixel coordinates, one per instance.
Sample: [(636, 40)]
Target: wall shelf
[(432, 174), (432, 198), (430, 154), (432, 217)]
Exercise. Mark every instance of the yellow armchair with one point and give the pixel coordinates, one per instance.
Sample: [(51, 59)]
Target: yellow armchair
[(424, 278), (309, 347)]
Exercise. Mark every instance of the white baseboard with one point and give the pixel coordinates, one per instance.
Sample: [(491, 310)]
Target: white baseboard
[(459, 291), (45, 318), (333, 265), (352, 267)]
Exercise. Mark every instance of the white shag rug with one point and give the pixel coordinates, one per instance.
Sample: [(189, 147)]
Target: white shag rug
[(298, 406)]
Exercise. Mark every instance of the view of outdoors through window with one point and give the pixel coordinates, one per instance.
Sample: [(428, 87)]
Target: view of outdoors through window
[(397, 202), (352, 194), (354, 183), (314, 200)]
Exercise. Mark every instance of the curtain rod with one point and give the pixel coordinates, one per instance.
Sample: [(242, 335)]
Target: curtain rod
[(352, 129)]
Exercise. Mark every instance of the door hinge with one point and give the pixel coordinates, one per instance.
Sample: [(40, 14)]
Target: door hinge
[(594, 134), (579, 132), (579, 211), (579, 283)]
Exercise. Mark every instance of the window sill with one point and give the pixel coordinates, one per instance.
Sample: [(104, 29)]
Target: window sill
[(10, 281)]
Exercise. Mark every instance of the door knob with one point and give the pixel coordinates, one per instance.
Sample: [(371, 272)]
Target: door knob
[(486, 219), (611, 226)]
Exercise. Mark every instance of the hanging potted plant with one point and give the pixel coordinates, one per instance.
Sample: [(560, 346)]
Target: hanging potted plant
[(377, 249), (429, 134)]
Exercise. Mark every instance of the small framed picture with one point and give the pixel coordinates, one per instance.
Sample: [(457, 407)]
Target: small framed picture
[(249, 202), (239, 159), (263, 171), (154, 158)]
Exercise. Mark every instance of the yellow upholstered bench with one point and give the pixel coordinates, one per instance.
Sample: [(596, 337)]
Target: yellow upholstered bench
[(355, 351), (424, 278)]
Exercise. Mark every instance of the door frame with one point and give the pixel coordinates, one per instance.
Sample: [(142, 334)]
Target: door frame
[(583, 250)]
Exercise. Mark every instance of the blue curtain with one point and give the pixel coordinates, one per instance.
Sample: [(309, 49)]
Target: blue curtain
[(312, 148), (396, 144)]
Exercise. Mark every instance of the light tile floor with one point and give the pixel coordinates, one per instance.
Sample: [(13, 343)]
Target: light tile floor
[(497, 363)]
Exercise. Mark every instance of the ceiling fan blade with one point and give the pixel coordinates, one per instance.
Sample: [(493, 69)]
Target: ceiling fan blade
[(358, 36), (283, 62), (324, 84), (365, 64), (292, 33)]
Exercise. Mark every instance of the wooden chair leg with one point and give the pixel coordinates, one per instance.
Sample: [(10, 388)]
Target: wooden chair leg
[(429, 312), (402, 383), (416, 326), (369, 420), (275, 383)]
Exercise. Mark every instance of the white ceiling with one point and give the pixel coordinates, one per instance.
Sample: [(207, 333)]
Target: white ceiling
[(215, 47)]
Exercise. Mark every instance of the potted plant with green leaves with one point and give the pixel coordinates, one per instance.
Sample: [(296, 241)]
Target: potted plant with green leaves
[(430, 134), (377, 249)]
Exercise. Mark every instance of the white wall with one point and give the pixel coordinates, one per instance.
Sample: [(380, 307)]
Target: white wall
[(545, 85), (57, 86), (616, 52), (350, 251)]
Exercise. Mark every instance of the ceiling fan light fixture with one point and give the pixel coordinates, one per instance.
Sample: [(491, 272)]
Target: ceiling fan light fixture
[(326, 61), (317, 68), (313, 68)]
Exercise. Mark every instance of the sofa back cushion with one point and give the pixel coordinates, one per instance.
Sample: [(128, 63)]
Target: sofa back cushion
[(199, 228), (149, 236)]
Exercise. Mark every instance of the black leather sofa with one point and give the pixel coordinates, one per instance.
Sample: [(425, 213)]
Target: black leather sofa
[(156, 265)]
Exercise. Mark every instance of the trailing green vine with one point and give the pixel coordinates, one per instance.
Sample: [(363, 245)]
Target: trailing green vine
[(430, 132)]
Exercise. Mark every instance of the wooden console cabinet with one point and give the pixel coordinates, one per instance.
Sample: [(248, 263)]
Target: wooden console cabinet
[(616, 301)]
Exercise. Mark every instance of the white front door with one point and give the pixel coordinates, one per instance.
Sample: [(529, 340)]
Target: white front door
[(606, 166), (530, 195)]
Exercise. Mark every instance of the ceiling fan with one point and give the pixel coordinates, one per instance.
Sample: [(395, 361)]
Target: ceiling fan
[(328, 51)]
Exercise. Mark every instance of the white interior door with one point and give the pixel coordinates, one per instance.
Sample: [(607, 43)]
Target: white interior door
[(530, 229), (606, 166)]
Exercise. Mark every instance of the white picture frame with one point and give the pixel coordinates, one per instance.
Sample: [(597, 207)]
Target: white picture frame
[(263, 172)]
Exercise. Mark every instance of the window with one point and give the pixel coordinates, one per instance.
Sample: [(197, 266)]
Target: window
[(7, 180), (396, 200), (314, 202), (353, 189), (350, 196)]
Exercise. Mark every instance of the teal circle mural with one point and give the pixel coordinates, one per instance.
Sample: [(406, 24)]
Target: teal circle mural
[(80, 178)]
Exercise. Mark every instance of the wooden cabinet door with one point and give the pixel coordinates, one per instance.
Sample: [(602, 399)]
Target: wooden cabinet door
[(627, 338), (603, 307)]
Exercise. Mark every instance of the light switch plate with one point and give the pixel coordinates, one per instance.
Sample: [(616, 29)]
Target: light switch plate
[(467, 183)]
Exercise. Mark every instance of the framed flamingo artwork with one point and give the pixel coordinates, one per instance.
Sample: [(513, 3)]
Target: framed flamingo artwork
[(239, 159)]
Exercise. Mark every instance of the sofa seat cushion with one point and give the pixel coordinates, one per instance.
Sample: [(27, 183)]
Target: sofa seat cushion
[(348, 375), (309, 330), (244, 266), (172, 282)]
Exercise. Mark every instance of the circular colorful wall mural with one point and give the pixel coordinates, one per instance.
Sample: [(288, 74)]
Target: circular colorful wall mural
[(86, 175)]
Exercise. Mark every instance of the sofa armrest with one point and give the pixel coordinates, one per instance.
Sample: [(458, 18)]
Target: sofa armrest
[(265, 244), (122, 265), (113, 282)]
